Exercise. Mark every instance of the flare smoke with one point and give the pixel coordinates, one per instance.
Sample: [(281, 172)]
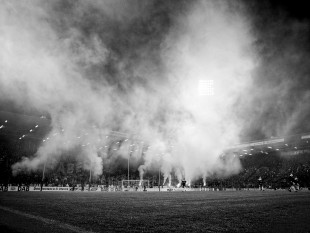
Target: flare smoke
[(133, 67)]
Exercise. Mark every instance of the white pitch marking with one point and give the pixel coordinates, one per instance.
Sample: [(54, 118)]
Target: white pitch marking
[(46, 220)]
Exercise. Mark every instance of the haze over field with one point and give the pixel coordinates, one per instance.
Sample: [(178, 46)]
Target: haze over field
[(138, 67)]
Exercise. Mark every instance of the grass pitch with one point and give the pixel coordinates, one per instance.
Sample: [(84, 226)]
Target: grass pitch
[(239, 211)]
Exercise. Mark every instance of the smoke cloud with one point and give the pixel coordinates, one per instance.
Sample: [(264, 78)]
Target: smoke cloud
[(133, 67), (277, 101)]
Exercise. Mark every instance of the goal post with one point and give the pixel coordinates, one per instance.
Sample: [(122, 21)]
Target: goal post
[(135, 184)]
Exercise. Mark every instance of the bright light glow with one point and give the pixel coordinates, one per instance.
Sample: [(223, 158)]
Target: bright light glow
[(1, 126), (250, 154), (126, 139), (286, 144), (295, 147), (37, 126), (24, 136), (244, 150), (206, 87), (6, 121), (30, 130), (252, 149), (43, 140), (269, 147), (277, 149)]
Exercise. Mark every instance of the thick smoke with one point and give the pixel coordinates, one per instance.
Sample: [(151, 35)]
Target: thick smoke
[(277, 103), (133, 67)]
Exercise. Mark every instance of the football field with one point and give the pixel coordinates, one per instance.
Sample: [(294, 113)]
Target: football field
[(224, 211)]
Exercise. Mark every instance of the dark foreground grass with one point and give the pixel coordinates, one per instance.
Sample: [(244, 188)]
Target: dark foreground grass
[(241, 211)]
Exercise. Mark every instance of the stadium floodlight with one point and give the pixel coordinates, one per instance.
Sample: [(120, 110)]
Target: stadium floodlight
[(206, 87), (6, 121), (37, 126), (269, 147), (20, 138), (117, 142), (252, 149), (30, 130), (277, 149), (244, 150), (241, 155), (23, 136), (1, 126), (43, 140), (47, 138)]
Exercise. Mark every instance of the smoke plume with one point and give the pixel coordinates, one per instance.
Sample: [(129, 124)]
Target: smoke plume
[(134, 67)]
